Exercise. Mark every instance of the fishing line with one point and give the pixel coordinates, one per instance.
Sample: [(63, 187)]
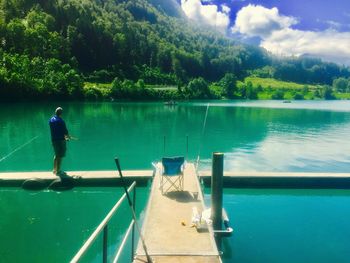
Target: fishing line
[(167, 141), (18, 148), (202, 135)]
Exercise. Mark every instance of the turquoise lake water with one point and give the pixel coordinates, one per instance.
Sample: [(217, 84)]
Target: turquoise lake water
[(271, 225), (49, 226), (287, 225), (254, 135)]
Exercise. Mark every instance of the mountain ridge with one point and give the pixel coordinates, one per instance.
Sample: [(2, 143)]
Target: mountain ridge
[(170, 7), (54, 46)]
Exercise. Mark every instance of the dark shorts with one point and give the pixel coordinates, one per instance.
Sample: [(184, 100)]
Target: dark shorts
[(59, 148)]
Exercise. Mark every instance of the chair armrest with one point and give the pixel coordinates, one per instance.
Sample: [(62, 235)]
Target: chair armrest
[(156, 167), (154, 164), (183, 167)]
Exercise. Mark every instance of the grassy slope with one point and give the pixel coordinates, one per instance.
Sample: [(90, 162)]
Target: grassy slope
[(269, 85), (276, 84)]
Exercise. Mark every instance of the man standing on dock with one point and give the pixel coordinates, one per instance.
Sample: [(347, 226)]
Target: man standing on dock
[(59, 136)]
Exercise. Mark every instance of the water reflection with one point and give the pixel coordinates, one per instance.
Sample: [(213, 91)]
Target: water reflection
[(270, 139), (262, 135), (313, 151)]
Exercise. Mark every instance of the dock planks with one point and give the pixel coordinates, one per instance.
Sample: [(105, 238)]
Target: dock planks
[(166, 238)]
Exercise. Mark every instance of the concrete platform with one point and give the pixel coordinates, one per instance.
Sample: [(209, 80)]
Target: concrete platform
[(281, 179), (167, 229), (85, 177)]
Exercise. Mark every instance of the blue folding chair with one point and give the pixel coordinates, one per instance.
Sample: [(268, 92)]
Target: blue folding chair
[(172, 174)]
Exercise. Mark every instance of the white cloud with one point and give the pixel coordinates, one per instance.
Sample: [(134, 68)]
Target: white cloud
[(207, 14), (329, 45), (257, 20), (280, 38), (225, 9), (333, 24)]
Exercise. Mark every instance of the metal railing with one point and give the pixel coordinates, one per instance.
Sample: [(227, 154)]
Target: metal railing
[(103, 226)]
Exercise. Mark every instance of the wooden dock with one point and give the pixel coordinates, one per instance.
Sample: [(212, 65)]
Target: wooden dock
[(167, 228)]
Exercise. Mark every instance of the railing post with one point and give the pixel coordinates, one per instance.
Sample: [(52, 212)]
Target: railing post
[(105, 245), (216, 193), (133, 228), (216, 190)]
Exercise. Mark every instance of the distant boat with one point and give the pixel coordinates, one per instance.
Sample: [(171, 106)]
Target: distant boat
[(287, 101), (170, 103)]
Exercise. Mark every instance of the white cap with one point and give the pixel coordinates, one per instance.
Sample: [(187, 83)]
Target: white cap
[(58, 111)]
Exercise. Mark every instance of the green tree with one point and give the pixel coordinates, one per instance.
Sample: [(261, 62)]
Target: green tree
[(198, 88), (298, 96), (277, 95), (340, 84), (118, 90), (327, 92), (229, 84), (305, 90), (251, 92)]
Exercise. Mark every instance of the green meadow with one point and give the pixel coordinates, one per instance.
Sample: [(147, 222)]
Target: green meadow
[(269, 88)]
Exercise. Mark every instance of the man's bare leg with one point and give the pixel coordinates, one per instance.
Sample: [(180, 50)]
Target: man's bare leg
[(54, 165), (59, 161), (57, 164)]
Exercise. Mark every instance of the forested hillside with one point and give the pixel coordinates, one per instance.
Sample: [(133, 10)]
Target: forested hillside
[(48, 49)]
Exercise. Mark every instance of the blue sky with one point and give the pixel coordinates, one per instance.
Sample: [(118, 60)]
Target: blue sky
[(319, 28), (312, 14)]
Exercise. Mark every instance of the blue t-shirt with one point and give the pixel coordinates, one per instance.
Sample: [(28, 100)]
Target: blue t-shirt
[(58, 128)]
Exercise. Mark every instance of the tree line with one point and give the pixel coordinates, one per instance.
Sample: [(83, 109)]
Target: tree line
[(48, 49)]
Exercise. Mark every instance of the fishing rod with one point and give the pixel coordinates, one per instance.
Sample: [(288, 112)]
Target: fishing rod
[(72, 138), (18, 148), (202, 135), (149, 259)]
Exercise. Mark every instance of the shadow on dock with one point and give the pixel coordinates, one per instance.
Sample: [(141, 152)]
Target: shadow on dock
[(182, 196)]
